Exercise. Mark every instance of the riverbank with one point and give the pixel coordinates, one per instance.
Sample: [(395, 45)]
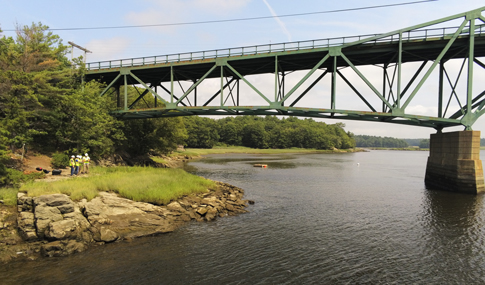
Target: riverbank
[(69, 227), (54, 225)]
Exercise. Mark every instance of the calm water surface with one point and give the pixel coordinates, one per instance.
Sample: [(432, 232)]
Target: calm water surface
[(361, 218)]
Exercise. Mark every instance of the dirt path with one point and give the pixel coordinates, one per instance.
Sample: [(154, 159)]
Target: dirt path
[(33, 161)]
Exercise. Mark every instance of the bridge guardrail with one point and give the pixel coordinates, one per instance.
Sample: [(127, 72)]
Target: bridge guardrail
[(278, 47)]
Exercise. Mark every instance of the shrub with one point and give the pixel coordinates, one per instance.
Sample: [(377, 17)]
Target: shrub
[(60, 160)]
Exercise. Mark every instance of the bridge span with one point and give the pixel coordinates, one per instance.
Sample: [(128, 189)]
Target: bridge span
[(446, 53), (431, 46)]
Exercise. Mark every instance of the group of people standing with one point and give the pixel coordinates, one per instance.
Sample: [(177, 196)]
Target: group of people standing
[(77, 161)]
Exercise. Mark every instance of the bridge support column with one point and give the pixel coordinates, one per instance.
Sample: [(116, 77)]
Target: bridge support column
[(454, 162)]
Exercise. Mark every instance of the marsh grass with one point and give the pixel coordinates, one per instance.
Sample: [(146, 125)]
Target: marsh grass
[(9, 196), (141, 184)]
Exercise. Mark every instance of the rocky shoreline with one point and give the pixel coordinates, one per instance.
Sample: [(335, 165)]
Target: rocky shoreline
[(54, 225)]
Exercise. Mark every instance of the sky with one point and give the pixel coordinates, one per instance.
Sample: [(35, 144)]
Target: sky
[(109, 44)]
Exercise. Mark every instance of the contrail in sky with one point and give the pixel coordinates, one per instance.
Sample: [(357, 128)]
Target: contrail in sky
[(282, 25)]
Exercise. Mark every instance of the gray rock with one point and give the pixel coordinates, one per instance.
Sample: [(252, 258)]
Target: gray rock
[(175, 206), (26, 227), (107, 235), (52, 200), (202, 210), (62, 248), (45, 215), (211, 214), (59, 230)]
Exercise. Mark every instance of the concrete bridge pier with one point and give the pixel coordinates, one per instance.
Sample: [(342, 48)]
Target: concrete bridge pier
[(454, 162)]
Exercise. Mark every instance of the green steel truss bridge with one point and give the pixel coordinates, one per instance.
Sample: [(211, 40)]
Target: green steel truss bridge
[(383, 75)]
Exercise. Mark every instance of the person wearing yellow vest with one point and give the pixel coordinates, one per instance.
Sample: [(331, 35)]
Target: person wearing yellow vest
[(77, 163), (86, 160), (72, 164)]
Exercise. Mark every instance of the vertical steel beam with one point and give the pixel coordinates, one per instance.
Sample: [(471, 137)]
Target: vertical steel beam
[(471, 55), (440, 89), (384, 84), (126, 92), (222, 85), (118, 102), (276, 79), (399, 74), (155, 97), (334, 83), (195, 95), (171, 84), (237, 91)]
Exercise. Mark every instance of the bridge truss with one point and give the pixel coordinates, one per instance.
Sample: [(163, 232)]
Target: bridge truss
[(441, 56)]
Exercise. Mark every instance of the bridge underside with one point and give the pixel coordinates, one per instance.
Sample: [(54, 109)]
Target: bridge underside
[(171, 85)]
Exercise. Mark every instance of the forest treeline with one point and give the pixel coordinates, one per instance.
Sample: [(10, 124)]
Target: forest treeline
[(45, 107), (374, 141), (267, 132)]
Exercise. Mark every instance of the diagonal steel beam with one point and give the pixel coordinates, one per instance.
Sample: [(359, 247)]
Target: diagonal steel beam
[(148, 88), (218, 92), (367, 82), (317, 66), (309, 88), (443, 52), (110, 85), (139, 98), (356, 91), (247, 82), (196, 84), (480, 105), (171, 95)]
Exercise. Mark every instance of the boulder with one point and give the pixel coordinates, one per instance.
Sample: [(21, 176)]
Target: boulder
[(26, 227), (59, 230), (211, 214), (62, 248), (202, 210), (107, 235), (52, 200), (45, 215)]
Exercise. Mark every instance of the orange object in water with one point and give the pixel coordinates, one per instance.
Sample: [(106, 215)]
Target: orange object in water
[(261, 165)]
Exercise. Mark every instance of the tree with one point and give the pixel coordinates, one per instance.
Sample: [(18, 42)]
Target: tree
[(202, 132), (255, 136), (424, 143), (147, 135)]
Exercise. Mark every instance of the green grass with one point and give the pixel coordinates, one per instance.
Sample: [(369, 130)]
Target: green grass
[(158, 159), (9, 196), (241, 149), (142, 184)]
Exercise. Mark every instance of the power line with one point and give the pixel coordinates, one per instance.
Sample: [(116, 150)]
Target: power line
[(239, 19)]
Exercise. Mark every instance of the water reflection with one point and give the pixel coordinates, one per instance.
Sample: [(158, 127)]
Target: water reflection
[(453, 227)]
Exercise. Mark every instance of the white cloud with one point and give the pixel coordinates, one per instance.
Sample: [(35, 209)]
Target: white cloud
[(105, 49), (220, 6)]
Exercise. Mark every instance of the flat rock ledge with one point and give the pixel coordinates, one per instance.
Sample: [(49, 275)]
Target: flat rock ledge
[(54, 225)]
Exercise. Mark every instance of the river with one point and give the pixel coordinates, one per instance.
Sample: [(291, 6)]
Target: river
[(350, 218)]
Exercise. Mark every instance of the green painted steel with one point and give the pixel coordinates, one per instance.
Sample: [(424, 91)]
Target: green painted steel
[(430, 44)]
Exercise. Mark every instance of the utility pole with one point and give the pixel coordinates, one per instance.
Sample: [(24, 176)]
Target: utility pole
[(79, 47), (84, 58)]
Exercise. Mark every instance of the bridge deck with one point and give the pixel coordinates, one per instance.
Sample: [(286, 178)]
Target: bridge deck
[(295, 56)]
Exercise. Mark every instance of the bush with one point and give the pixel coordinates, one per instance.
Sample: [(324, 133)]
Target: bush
[(59, 160)]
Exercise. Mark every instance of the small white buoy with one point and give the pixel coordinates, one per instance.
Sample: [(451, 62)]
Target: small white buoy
[(358, 164)]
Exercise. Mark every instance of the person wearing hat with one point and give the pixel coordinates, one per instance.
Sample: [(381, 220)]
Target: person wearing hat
[(72, 164), (86, 160), (77, 162)]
